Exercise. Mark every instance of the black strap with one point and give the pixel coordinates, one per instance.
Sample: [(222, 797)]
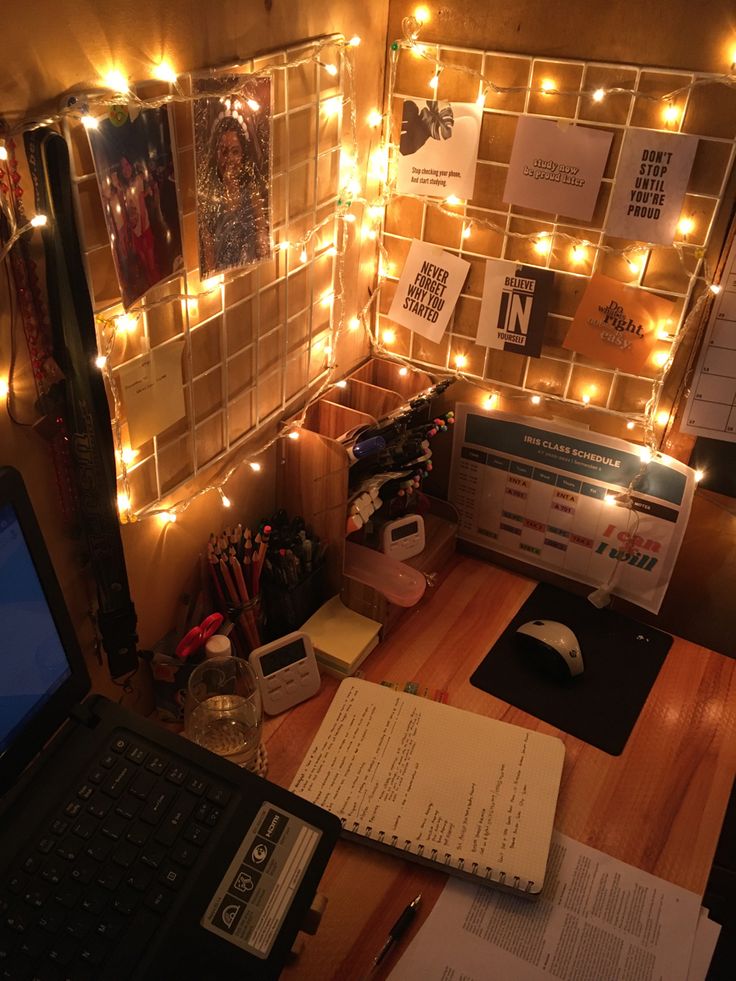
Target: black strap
[(87, 413)]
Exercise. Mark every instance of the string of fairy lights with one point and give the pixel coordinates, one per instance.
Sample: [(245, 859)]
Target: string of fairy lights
[(691, 256), (350, 202)]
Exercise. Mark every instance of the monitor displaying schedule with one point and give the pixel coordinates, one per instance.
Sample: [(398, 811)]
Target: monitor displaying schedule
[(548, 494)]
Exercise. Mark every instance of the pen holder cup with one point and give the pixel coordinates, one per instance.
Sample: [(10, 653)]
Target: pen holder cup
[(286, 609), (247, 632)]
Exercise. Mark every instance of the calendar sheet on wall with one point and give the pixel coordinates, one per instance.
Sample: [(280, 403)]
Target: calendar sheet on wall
[(711, 408), (546, 493)]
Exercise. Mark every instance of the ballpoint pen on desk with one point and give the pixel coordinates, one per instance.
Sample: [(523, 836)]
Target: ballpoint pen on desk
[(398, 930)]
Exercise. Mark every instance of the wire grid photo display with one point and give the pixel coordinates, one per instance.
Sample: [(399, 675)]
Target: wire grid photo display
[(251, 340), (708, 112)]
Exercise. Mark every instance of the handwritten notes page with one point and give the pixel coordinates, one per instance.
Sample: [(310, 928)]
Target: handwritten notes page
[(437, 783), (597, 918)]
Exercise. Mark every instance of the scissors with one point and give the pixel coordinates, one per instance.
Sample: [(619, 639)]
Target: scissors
[(197, 636)]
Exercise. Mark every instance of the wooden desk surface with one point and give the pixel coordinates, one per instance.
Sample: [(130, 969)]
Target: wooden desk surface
[(658, 806)]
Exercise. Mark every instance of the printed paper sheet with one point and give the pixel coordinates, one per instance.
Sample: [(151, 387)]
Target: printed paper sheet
[(538, 491)]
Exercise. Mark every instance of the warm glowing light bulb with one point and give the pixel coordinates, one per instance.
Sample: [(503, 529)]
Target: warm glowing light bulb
[(609, 499), (38, 221), (128, 455), (284, 246), (3, 152), (165, 73), (116, 81), (90, 122), (645, 454), (332, 251), (354, 41), (303, 256), (331, 70), (353, 187), (341, 384), (660, 358), (452, 199), (255, 466), (421, 15), (100, 361), (671, 113), (123, 503), (536, 399), (543, 244), (578, 253), (354, 323), (467, 231), (548, 85), (212, 283), (491, 401), (699, 474), (461, 361), (630, 425), (389, 336), (634, 266), (126, 323), (434, 82), (599, 95), (662, 418), (370, 234), (4, 388), (349, 218), (332, 107), (586, 399), (327, 298), (685, 226), (418, 50), (715, 288), (226, 502), (167, 517), (403, 371), (192, 305), (375, 118), (294, 434)]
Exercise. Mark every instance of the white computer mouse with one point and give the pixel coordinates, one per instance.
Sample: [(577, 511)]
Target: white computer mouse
[(552, 648)]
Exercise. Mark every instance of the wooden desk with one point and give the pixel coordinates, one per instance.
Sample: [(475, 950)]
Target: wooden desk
[(658, 806)]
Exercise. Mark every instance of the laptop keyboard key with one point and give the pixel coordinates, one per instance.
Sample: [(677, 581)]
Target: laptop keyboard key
[(120, 745), (136, 754), (171, 876), (184, 854), (59, 826), (140, 878), (52, 919), (108, 761), (219, 796), (159, 899), (128, 806), (68, 894), (63, 949), (126, 901), (99, 806), (86, 791), (158, 804), (176, 818), (157, 764), (84, 870), (117, 779), (110, 878), (176, 774), (45, 845), (69, 848), (72, 808), (110, 925), (153, 855), (196, 834), (114, 826), (196, 786), (125, 854), (85, 827), (138, 834), (143, 784), (79, 925), (95, 900), (17, 883), (99, 848), (93, 951)]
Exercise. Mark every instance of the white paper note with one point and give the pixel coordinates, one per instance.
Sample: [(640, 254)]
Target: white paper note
[(438, 150), (597, 918), (556, 168), (153, 392), (650, 185), (428, 289)]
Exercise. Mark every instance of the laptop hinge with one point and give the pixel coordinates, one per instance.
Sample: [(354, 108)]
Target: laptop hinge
[(82, 712)]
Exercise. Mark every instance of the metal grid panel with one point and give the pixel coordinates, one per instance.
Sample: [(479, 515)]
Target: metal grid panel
[(705, 112), (255, 339)]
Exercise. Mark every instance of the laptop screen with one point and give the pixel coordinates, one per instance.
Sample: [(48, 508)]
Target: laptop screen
[(33, 663), (42, 671)]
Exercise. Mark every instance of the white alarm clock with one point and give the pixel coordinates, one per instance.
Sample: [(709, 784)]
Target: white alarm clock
[(403, 537), (287, 671)]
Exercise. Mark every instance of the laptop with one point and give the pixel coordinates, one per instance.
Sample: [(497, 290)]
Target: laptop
[(125, 850)]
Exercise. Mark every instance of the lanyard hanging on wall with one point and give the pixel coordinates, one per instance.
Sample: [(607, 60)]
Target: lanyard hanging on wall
[(87, 413)]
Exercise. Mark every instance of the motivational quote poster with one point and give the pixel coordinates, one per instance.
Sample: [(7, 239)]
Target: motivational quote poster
[(428, 289), (556, 167), (513, 312), (650, 187), (618, 324), (438, 148)]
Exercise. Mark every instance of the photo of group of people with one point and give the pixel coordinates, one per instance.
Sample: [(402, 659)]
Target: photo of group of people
[(135, 172), (134, 162)]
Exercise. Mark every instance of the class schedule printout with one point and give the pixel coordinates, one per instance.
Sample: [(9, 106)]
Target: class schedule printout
[(577, 503)]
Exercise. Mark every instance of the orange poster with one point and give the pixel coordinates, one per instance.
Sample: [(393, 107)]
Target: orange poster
[(619, 324)]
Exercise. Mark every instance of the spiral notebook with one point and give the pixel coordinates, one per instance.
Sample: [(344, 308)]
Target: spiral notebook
[(437, 785)]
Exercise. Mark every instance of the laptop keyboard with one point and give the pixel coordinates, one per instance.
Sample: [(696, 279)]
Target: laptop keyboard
[(92, 890)]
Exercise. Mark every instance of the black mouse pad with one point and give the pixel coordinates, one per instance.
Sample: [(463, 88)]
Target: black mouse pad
[(621, 661)]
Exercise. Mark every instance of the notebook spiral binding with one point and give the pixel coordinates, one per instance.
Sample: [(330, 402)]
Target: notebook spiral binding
[(525, 885)]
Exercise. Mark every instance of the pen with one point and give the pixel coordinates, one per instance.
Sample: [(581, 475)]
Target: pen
[(398, 930)]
